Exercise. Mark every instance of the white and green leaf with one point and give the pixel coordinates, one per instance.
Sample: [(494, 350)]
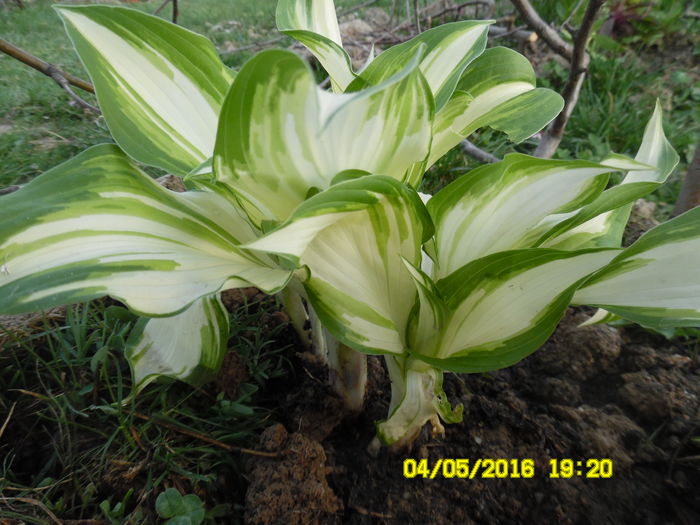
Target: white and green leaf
[(315, 24), (652, 165), (97, 225), (656, 281), (503, 307), (450, 48), (417, 398), (601, 316), (160, 86), (189, 346), (501, 206), (281, 136), (497, 90), (352, 238)]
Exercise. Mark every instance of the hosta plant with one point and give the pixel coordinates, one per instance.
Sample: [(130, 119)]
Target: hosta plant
[(312, 194)]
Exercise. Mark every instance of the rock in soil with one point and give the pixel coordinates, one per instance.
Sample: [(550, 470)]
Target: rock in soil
[(293, 488)]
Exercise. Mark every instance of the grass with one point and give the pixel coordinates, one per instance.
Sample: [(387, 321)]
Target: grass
[(40, 126), (92, 455)]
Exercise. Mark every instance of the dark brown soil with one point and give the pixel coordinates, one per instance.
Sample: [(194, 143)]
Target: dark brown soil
[(592, 392)]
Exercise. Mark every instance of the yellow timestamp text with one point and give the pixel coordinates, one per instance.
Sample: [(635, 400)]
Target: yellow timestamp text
[(581, 468), (465, 468)]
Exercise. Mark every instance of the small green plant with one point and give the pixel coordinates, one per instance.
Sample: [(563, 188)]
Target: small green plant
[(179, 509), (313, 194)]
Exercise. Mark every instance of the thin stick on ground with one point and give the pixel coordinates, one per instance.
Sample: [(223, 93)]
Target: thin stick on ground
[(206, 439), (7, 419), (578, 66), (34, 502), (63, 79)]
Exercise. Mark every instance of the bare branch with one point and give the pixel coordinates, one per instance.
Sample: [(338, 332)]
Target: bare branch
[(161, 6), (176, 11), (349, 10), (689, 196), (579, 61), (514, 34), (543, 29), (255, 45), (9, 189), (55, 74), (416, 15), (205, 438), (427, 17), (63, 79), (42, 66), (479, 154)]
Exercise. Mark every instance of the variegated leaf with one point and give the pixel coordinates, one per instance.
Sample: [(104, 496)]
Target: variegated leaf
[(449, 50), (351, 238), (281, 136), (417, 398), (497, 90), (500, 206), (504, 306), (652, 165), (97, 225), (656, 281), (189, 346), (599, 317), (314, 24), (160, 86)]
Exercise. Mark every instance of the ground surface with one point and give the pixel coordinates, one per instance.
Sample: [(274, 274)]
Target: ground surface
[(588, 393)]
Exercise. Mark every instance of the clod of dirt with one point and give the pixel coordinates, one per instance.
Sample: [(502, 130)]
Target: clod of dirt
[(236, 297), (172, 182), (22, 325), (657, 395), (291, 489), (579, 353)]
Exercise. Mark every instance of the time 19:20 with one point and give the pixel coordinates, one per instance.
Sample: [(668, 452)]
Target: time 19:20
[(589, 468)]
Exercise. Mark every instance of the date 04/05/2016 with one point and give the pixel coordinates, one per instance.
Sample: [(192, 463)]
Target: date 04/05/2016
[(463, 468)]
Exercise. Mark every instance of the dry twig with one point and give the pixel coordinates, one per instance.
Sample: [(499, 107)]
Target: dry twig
[(543, 29), (7, 419), (63, 79), (368, 3), (578, 66), (176, 10), (36, 503), (479, 154), (689, 196), (206, 439), (9, 189)]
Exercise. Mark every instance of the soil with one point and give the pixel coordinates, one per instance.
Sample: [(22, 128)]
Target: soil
[(589, 393)]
